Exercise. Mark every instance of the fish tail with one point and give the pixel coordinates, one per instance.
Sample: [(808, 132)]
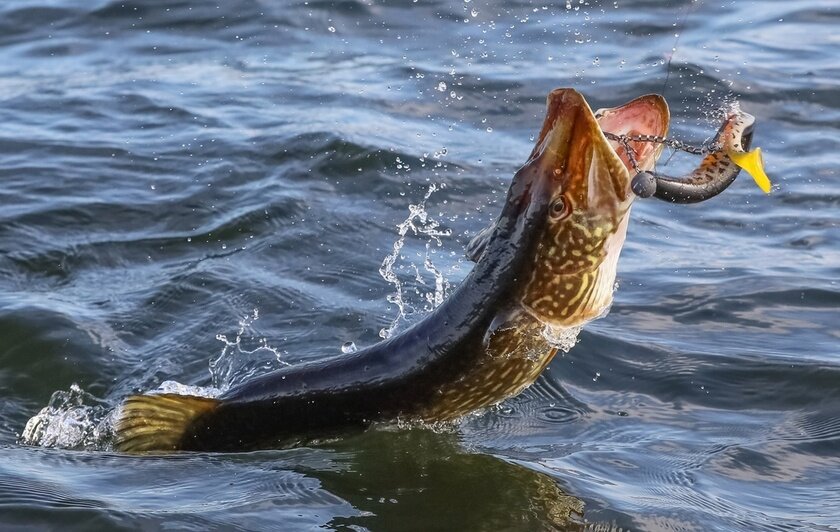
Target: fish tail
[(158, 422)]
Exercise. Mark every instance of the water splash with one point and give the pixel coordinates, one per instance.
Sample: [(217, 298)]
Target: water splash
[(76, 419), (561, 338), (419, 223), (238, 361), (73, 419)]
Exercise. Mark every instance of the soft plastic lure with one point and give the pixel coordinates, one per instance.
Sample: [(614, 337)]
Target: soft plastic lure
[(725, 157), (753, 163)]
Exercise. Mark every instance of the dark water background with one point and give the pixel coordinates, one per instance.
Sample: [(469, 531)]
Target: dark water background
[(169, 167)]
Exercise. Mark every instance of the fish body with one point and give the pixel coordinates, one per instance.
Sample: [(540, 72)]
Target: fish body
[(549, 261)]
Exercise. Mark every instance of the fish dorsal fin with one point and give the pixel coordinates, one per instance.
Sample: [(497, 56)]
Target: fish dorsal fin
[(475, 248)]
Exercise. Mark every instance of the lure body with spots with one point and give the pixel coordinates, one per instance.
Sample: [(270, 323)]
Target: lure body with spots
[(722, 162), (548, 261), (717, 170)]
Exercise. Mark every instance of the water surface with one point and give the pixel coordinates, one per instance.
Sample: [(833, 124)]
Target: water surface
[(171, 168)]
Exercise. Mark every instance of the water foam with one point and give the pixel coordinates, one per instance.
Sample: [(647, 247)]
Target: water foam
[(561, 338), (175, 387), (73, 419)]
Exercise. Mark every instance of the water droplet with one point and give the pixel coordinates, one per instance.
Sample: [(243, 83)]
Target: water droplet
[(441, 87), (331, 29), (348, 347)]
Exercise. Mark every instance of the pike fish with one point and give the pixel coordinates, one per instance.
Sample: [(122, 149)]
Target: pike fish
[(548, 261)]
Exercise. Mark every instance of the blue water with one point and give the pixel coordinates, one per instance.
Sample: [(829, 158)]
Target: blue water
[(171, 167)]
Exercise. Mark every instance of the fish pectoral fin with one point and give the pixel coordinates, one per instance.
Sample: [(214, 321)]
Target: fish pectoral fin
[(476, 246), (158, 422), (753, 163)]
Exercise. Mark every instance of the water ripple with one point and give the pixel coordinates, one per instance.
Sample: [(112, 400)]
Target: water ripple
[(170, 167)]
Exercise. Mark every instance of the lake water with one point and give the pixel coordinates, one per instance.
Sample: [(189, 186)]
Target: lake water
[(191, 184)]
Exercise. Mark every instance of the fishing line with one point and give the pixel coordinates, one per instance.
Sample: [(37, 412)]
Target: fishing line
[(680, 27), (704, 149)]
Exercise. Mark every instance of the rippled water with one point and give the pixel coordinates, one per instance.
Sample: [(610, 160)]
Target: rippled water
[(171, 168)]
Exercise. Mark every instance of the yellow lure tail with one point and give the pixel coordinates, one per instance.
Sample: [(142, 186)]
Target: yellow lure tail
[(753, 163), (158, 422)]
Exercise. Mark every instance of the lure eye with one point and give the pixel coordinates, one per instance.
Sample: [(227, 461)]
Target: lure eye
[(559, 208)]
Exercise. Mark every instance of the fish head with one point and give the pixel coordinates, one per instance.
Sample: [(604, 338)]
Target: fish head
[(578, 184)]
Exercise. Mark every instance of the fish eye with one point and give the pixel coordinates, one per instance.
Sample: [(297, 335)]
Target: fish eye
[(559, 208)]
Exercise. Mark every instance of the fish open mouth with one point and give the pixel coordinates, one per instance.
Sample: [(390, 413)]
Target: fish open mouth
[(592, 171), (646, 116)]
